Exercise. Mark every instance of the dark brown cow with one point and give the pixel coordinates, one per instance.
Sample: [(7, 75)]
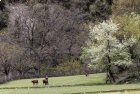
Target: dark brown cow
[(86, 74), (45, 82), (35, 82)]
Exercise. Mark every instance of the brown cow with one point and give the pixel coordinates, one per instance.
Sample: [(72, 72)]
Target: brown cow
[(35, 82), (86, 74), (45, 82)]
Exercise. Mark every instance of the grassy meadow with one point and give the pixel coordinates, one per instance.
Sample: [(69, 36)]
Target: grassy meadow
[(79, 80), (66, 85)]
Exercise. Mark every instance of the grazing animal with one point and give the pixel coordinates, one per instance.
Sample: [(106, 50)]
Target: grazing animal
[(86, 74), (35, 82), (45, 82)]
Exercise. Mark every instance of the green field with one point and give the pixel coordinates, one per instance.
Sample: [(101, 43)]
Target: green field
[(78, 80), (65, 85)]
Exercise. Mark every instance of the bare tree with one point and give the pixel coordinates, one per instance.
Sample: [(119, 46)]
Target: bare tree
[(8, 53), (47, 32)]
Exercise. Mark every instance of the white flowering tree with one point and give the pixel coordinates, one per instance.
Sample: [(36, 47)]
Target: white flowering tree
[(103, 46)]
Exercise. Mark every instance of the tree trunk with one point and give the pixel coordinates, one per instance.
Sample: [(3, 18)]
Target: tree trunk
[(110, 74), (109, 71)]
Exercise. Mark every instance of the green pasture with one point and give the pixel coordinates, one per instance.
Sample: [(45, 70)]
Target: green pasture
[(79, 80), (66, 85), (70, 90)]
